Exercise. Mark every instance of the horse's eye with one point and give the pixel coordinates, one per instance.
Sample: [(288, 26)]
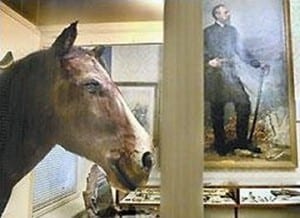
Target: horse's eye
[(93, 86)]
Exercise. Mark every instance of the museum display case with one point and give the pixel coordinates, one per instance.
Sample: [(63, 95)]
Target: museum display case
[(268, 196), (230, 198)]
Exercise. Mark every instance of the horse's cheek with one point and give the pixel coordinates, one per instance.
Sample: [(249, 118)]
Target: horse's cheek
[(64, 102)]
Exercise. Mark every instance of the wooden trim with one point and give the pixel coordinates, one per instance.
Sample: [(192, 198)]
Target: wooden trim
[(182, 121), (18, 18), (109, 33)]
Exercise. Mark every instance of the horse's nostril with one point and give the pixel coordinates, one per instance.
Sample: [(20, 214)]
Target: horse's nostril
[(147, 160)]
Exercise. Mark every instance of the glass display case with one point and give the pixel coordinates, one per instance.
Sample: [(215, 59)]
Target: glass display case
[(146, 200), (219, 196), (269, 196), (148, 196)]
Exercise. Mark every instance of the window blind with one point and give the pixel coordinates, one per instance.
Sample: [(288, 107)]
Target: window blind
[(55, 177)]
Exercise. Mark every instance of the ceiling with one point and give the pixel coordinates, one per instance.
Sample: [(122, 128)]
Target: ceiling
[(50, 12)]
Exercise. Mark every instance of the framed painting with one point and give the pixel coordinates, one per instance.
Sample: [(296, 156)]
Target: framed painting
[(249, 96), (141, 99), (139, 63)]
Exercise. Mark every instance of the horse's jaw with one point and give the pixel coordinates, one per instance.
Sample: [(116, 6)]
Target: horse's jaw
[(125, 181), (129, 169), (124, 171), (125, 175)]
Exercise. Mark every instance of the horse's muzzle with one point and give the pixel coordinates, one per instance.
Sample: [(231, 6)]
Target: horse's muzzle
[(131, 174), (123, 177), (147, 160)]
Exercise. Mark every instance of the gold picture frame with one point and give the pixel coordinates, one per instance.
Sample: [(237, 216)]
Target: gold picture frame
[(259, 70)]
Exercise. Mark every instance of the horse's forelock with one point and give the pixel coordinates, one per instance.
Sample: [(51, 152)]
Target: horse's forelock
[(84, 54), (75, 52)]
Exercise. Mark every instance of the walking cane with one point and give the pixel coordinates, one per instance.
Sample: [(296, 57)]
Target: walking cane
[(264, 72)]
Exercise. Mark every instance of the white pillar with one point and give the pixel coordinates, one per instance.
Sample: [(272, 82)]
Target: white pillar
[(182, 124)]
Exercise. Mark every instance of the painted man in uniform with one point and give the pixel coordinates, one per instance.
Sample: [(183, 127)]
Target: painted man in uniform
[(222, 85)]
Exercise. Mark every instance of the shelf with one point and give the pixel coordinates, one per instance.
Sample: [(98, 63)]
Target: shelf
[(149, 196), (269, 196), (223, 196), (236, 198)]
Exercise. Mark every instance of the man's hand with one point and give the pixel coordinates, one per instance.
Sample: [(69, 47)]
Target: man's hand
[(216, 62)]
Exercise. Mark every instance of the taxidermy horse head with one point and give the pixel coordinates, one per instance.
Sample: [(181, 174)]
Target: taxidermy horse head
[(63, 95)]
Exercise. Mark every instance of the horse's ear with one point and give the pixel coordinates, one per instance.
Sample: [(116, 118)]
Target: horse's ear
[(65, 40), (98, 53), (98, 50)]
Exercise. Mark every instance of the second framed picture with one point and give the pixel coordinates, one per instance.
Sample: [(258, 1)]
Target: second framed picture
[(141, 99)]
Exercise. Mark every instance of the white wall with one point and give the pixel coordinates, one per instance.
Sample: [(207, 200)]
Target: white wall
[(21, 37), (17, 34), (108, 33)]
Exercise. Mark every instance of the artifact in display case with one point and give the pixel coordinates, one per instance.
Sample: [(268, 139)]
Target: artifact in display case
[(142, 196), (276, 195), (143, 201), (218, 196), (151, 196)]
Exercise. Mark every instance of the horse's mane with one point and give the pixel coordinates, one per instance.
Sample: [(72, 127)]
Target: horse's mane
[(76, 51), (15, 83), (5, 79)]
